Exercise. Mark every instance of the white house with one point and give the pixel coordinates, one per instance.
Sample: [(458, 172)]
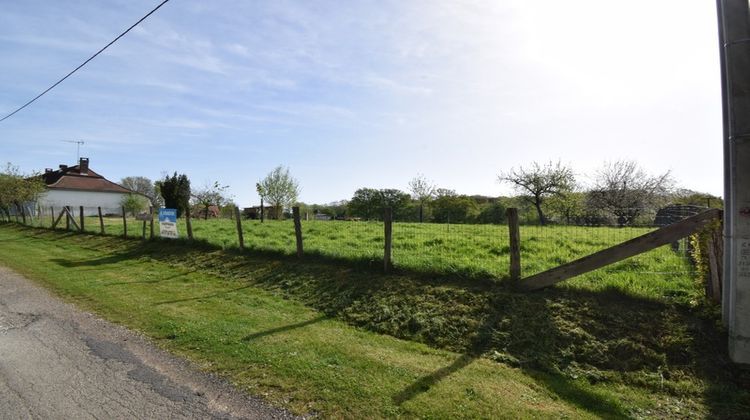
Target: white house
[(78, 185)]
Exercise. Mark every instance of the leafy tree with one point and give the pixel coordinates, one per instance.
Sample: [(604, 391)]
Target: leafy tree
[(175, 190), (142, 185), (422, 191), (625, 190), (366, 203), (569, 207), (538, 183), (369, 203), (133, 203), (397, 200), (280, 189), (492, 213), (454, 209), (17, 189), (210, 195)]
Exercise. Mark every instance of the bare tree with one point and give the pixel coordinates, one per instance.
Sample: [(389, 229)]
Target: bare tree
[(422, 191), (625, 190), (142, 185), (210, 195), (537, 183)]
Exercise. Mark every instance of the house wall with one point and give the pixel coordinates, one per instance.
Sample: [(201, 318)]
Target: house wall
[(90, 200)]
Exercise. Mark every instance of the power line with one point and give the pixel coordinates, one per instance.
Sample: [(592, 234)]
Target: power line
[(85, 62)]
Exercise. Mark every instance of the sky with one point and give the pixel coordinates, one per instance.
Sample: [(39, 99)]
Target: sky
[(364, 93)]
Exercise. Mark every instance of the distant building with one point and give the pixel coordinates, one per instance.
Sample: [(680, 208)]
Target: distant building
[(78, 185), (254, 212)]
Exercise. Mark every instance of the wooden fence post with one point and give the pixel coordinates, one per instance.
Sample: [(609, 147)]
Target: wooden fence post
[(80, 216), (23, 213), (101, 220), (515, 244), (143, 231), (189, 225), (297, 230), (124, 224), (388, 238), (67, 217), (52, 212), (239, 227)]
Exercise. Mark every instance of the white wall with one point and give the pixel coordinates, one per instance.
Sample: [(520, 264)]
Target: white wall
[(108, 201)]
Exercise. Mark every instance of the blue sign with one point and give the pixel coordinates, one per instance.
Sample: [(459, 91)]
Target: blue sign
[(168, 223), (168, 215)]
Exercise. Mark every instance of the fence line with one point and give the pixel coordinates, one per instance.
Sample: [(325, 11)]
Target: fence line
[(473, 250)]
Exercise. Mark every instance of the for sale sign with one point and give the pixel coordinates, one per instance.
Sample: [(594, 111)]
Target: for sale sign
[(168, 223)]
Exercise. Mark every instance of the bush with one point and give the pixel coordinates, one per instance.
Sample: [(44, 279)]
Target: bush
[(134, 203)]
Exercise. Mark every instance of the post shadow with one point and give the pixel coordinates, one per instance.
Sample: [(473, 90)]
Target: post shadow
[(283, 328)]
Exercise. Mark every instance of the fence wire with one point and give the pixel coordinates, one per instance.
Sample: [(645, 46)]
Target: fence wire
[(545, 247), (475, 250), (470, 249)]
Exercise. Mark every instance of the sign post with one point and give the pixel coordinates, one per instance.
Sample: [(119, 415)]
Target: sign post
[(168, 223)]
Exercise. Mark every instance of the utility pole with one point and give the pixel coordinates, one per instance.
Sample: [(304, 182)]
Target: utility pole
[(734, 38)]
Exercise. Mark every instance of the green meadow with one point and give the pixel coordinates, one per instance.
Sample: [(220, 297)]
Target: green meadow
[(347, 341), (469, 251)]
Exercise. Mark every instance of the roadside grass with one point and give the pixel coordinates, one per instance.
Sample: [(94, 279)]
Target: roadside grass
[(303, 333)]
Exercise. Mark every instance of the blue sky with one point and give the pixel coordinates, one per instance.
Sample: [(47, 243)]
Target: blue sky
[(364, 93)]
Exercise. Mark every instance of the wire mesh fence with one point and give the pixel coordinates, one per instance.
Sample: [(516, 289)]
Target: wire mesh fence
[(474, 250), (470, 249), (545, 247)]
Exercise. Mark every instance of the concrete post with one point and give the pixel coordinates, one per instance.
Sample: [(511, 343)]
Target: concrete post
[(734, 30)]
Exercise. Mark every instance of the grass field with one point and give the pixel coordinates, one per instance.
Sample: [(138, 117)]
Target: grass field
[(471, 251), (350, 342)]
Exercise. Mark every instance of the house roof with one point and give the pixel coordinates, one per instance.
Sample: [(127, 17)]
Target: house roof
[(71, 178)]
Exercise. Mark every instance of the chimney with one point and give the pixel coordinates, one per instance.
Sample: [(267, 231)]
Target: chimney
[(83, 166), (47, 170), (63, 167)]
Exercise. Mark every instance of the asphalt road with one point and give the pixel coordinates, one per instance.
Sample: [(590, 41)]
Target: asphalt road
[(57, 362)]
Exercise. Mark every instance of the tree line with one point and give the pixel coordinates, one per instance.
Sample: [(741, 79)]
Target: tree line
[(621, 192)]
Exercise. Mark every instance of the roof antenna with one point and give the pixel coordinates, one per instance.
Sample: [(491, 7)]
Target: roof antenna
[(78, 147)]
